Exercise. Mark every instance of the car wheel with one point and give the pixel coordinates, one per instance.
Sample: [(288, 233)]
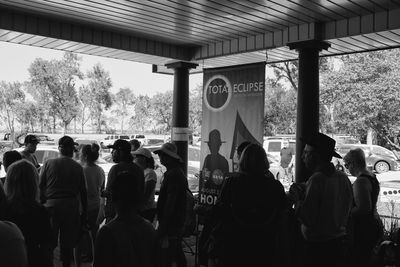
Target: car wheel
[(381, 166)]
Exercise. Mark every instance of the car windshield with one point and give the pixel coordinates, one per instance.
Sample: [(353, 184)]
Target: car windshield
[(274, 146)]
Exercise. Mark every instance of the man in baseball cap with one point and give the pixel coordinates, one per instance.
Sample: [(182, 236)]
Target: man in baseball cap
[(121, 154), (28, 153), (61, 184), (171, 204)]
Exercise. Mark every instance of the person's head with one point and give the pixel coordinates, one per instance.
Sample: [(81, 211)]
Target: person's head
[(254, 160), (127, 192), (241, 147), (31, 142), (285, 143), (354, 161), (121, 151), (21, 182), (89, 153), (168, 154), (66, 146), (319, 150), (143, 158), (135, 144), (214, 141), (10, 157)]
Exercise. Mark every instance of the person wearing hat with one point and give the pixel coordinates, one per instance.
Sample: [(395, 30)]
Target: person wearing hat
[(121, 155), (171, 206), (28, 153), (62, 185), (215, 165), (323, 204), (143, 158)]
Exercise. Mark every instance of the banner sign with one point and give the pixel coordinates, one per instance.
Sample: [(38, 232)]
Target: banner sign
[(233, 112)]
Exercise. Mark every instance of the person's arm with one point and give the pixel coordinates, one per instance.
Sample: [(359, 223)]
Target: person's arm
[(83, 193), (43, 183), (362, 197), (103, 249), (150, 185), (308, 207)]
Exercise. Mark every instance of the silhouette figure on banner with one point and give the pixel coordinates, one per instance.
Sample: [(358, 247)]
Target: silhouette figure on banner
[(215, 165)]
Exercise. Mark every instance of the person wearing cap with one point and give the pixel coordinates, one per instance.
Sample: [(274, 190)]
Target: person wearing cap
[(323, 204), (28, 153), (171, 206), (143, 158), (121, 155), (62, 185)]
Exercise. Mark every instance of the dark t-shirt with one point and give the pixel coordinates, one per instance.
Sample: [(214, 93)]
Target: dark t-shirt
[(34, 223), (125, 166), (174, 184)]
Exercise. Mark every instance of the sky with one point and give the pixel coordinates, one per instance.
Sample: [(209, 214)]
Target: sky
[(15, 60)]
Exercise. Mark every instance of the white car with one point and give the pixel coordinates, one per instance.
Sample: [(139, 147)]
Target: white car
[(140, 137), (110, 139)]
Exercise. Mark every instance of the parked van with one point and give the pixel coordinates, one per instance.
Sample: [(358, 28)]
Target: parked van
[(273, 145)]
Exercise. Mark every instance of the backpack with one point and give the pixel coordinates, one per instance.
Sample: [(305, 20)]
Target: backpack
[(189, 224)]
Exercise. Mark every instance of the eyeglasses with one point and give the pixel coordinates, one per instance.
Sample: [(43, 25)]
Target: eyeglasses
[(346, 165)]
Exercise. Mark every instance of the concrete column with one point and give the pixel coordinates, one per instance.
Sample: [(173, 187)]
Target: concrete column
[(180, 106), (307, 98)]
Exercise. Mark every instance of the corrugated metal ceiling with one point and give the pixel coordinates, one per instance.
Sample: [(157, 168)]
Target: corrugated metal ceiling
[(212, 33)]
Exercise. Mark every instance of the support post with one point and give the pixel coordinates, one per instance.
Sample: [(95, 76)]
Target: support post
[(180, 108), (307, 98)]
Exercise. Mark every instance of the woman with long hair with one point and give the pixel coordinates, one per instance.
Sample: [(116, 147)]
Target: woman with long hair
[(366, 229), (21, 188), (145, 160), (95, 179)]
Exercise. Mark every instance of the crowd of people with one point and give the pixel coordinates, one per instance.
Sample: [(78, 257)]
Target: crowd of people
[(323, 221), (66, 199)]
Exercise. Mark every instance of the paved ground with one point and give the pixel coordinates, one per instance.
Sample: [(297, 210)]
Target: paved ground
[(189, 243)]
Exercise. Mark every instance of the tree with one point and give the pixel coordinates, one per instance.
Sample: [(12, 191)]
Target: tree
[(86, 102), (124, 98), (141, 117), (28, 115), (195, 108), (99, 90), (52, 83), (280, 109), (11, 99), (162, 109)]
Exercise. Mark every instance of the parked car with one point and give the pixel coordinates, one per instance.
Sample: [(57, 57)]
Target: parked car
[(378, 158), (140, 137), (110, 139)]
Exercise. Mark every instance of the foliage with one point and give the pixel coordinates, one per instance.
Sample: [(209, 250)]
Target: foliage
[(141, 118), (195, 108), (99, 91), (365, 93), (124, 98), (162, 110), (52, 83), (11, 100), (280, 109)]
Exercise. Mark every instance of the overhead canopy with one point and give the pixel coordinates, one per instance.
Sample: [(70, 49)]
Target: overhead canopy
[(211, 33)]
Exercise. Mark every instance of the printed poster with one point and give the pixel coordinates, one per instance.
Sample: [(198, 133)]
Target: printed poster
[(233, 112)]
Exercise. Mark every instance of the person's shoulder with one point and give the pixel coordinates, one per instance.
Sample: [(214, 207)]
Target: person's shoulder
[(9, 231)]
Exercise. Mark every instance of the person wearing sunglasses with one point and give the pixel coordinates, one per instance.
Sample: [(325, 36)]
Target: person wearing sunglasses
[(367, 228)]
